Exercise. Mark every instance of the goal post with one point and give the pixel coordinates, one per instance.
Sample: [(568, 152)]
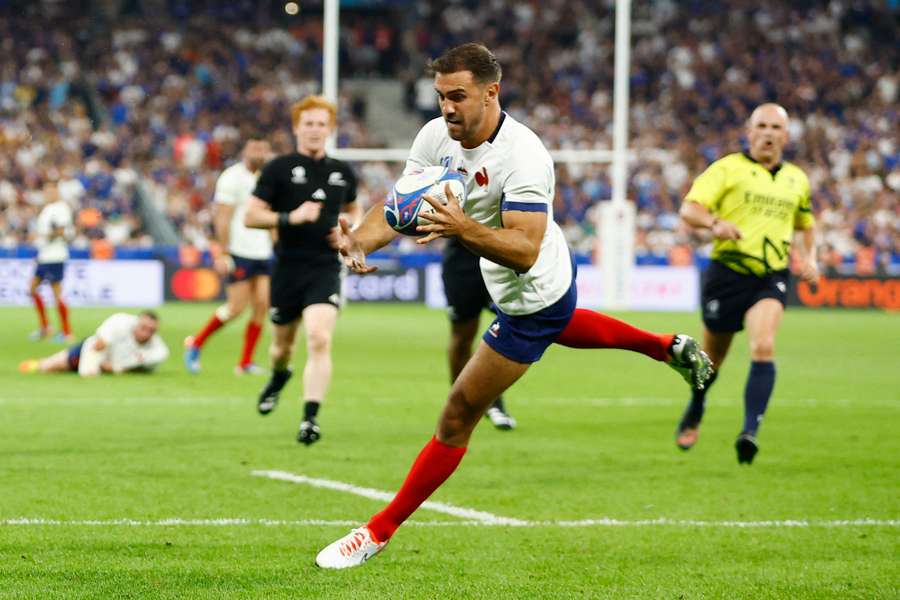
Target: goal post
[(617, 217)]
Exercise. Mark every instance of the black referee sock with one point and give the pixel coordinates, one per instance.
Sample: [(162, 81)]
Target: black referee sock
[(694, 413), (757, 392), (310, 410)]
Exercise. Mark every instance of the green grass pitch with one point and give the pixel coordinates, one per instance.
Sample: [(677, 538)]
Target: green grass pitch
[(595, 441)]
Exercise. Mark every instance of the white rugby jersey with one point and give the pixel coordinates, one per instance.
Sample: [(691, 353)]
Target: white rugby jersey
[(510, 171), (122, 350), (56, 250), (234, 187)]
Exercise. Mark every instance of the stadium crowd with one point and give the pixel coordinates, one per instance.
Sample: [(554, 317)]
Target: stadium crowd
[(165, 102)]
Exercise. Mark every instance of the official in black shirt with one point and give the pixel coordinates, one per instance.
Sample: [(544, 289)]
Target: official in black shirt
[(301, 195)]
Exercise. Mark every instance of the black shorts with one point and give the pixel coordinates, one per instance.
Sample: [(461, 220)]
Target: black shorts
[(298, 285), (248, 268), (727, 295), (464, 286)]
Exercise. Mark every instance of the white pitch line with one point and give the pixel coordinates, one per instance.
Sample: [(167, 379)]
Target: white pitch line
[(373, 494), (583, 523)]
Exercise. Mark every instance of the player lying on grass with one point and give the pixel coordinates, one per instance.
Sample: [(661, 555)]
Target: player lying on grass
[(123, 342), (526, 265)]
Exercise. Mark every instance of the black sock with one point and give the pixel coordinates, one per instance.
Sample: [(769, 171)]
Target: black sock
[(759, 386), (694, 413), (498, 403), (280, 377), (310, 410)]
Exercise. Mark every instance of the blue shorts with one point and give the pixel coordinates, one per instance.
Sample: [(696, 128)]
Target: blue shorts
[(248, 268), (74, 356), (50, 272), (524, 338)]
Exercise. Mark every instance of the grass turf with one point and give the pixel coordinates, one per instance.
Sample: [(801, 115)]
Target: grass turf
[(595, 441)]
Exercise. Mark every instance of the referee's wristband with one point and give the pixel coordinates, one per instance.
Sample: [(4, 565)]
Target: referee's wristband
[(284, 219)]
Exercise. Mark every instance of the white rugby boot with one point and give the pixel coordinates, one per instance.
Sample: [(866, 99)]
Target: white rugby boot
[(352, 550)]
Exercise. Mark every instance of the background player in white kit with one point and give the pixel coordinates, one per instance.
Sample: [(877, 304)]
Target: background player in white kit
[(122, 343), (526, 265), (54, 229), (245, 259)]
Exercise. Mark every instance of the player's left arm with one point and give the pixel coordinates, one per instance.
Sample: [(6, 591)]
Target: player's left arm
[(155, 354), (516, 245), (222, 214), (805, 225)]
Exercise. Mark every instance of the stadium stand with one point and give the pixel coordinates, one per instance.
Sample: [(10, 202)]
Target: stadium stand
[(162, 103)]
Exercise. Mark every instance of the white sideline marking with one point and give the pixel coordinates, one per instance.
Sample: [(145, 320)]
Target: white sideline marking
[(605, 522), (447, 509)]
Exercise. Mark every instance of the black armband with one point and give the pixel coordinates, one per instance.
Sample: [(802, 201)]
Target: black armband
[(283, 219)]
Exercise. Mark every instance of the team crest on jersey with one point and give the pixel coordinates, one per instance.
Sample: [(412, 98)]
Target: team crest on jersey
[(336, 178), (319, 195), (298, 175), (481, 177)]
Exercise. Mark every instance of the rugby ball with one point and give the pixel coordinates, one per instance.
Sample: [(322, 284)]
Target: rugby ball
[(406, 202)]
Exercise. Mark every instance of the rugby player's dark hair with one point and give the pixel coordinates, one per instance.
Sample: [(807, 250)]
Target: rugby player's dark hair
[(472, 57), (150, 314)]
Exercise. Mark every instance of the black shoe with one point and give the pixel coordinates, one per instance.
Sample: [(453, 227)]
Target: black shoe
[(309, 433), (746, 447), (268, 399)]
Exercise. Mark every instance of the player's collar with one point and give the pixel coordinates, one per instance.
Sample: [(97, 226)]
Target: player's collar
[(773, 171), (491, 139)]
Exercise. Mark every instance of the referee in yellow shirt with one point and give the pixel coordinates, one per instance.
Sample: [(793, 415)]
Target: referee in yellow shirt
[(752, 202)]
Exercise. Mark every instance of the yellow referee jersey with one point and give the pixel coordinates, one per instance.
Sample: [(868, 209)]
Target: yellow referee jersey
[(767, 206)]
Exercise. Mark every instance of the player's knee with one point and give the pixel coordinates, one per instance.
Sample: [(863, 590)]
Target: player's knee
[(279, 350), (762, 349), (318, 342), (259, 312), (225, 313)]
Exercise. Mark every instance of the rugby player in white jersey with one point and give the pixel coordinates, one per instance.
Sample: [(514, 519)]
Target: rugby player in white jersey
[(122, 343), (245, 260), (54, 229), (507, 221)]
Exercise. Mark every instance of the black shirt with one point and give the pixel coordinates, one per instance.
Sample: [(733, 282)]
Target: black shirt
[(288, 181)]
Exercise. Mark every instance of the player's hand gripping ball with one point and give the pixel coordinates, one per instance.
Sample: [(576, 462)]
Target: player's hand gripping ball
[(406, 202)]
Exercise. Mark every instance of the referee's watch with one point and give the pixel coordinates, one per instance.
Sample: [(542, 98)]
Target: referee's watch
[(284, 219)]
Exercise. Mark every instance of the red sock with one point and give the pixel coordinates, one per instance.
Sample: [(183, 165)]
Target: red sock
[(211, 326), (589, 329), (435, 463), (64, 317), (39, 306), (251, 336)]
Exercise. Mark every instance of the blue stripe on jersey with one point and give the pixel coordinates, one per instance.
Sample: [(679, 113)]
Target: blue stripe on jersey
[(524, 206)]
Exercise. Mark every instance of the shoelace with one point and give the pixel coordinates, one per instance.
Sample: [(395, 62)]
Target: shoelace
[(353, 544)]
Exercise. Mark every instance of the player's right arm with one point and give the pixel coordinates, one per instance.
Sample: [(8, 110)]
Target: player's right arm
[(92, 358), (224, 201), (259, 213), (370, 235), (700, 204)]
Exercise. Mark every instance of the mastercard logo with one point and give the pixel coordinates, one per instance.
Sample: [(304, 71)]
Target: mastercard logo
[(195, 284)]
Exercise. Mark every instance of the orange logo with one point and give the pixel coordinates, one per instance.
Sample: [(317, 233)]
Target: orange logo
[(852, 293)]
